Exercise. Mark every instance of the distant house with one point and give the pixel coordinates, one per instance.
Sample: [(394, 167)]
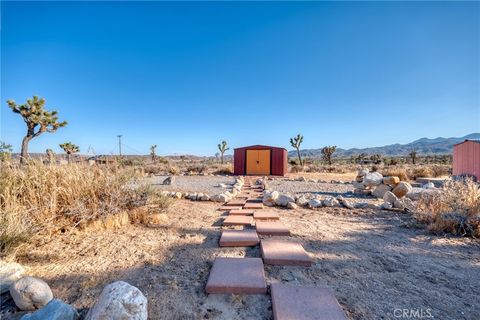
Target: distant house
[(466, 159), (101, 159)]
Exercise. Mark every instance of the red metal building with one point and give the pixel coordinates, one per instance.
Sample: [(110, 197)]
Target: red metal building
[(466, 158), (260, 160)]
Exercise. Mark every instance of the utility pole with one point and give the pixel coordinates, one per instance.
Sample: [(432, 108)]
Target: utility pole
[(119, 144)]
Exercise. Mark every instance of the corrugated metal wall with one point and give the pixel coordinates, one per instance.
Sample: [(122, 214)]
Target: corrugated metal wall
[(279, 159), (466, 159)]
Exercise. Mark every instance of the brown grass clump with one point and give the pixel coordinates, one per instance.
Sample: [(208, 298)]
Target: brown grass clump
[(223, 169), (43, 199), (455, 210)]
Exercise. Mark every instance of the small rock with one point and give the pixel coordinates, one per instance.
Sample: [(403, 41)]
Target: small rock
[(168, 181), (312, 180), (372, 179), (269, 198), (362, 192), (386, 206), (380, 190), (302, 201), (119, 300), (221, 197), (391, 180), (178, 195), (9, 273), (54, 310), (302, 179), (284, 199), (428, 185), (398, 204), (344, 202), (315, 203), (330, 202), (222, 185), (358, 185), (205, 197), (30, 293), (402, 189), (292, 205), (390, 197)]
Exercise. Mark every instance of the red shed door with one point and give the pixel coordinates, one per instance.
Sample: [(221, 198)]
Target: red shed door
[(258, 162)]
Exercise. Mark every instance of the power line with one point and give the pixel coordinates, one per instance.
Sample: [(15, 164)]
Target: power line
[(119, 144)]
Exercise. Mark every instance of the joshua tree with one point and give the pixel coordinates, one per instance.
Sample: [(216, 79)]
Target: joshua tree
[(153, 153), (69, 149), (327, 153), (413, 156), (296, 142), (5, 151), (376, 158), (50, 156), (222, 147), (37, 119)]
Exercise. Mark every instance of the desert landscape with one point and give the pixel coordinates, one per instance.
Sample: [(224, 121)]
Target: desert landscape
[(239, 160)]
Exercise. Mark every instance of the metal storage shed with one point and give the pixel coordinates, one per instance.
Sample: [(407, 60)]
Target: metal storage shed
[(466, 158), (260, 160)]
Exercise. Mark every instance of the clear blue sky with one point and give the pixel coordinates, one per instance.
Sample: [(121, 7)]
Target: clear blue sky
[(186, 75)]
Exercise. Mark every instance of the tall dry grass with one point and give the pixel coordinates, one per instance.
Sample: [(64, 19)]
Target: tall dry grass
[(39, 198), (455, 210)]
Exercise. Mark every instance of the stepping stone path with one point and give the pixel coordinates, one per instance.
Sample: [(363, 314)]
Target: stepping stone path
[(265, 215), (239, 238), (284, 253), (242, 212), (238, 221), (271, 228), (247, 275)]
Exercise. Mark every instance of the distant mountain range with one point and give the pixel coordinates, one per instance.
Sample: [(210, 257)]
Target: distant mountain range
[(423, 146)]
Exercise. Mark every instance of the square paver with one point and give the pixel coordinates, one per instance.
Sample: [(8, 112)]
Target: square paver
[(304, 303), (241, 212), (284, 253), (236, 202), (239, 238), (228, 208), (250, 205), (254, 200), (238, 221), (265, 215), (271, 228), (237, 276)]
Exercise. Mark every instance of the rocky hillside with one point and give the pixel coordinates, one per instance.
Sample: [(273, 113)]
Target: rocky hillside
[(423, 146)]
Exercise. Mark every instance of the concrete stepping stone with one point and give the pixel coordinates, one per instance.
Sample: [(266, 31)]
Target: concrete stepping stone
[(238, 221), (254, 200), (237, 276), (284, 253), (250, 205), (236, 202), (304, 303), (265, 215), (239, 238), (271, 228), (228, 208), (241, 212)]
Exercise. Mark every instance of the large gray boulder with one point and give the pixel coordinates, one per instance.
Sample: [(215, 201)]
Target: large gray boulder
[(284, 199), (372, 179), (30, 293), (54, 310), (380, 190), (9, 273), (118, 301)]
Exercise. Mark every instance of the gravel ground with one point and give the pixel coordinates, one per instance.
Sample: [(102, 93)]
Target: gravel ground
[(203, 184), (324, 190)]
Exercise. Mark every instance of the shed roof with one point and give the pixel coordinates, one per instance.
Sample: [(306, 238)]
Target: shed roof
[(259, 146), (467, 140)]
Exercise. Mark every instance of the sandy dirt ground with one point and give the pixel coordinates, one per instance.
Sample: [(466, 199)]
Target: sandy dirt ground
[(375, 263)]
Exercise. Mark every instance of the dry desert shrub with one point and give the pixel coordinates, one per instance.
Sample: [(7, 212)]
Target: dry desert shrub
[(223, 169), (40, 199), (456, 209)]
